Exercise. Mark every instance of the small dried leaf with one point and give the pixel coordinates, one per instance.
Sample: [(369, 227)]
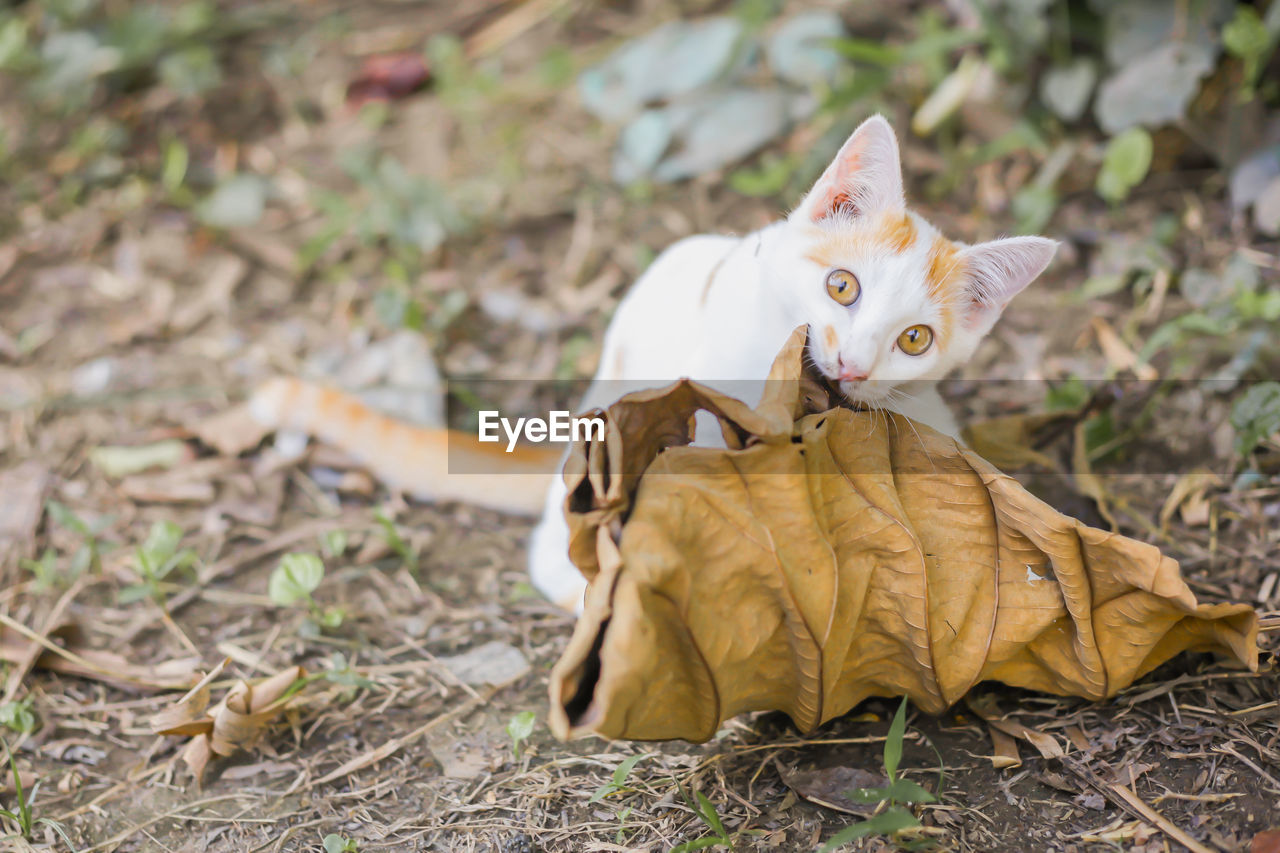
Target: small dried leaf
[(236, 723), (829, 787)]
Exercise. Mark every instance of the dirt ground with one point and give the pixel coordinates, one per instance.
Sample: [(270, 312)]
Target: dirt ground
[(126, 322)]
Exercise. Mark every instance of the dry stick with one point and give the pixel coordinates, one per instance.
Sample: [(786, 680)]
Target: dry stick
[(1132, 803), (394, 745), (23, 666), (1165, 825), (115, 840), (54, 647)]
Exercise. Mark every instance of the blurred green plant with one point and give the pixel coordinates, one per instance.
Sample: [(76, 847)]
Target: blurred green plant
[(334, 843), (520, 729), (1255, 416), (88, 556), (18, 716), (155, 560), (296, 577)]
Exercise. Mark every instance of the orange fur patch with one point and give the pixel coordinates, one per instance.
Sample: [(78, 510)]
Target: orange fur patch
[(945, 275), (897, 231), (830, 339), (945, 279), (892, 232)]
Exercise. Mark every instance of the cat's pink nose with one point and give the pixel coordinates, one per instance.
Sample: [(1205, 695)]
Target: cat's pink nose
[(851, 372)]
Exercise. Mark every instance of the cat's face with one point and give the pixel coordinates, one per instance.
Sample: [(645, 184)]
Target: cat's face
[(888, 299)]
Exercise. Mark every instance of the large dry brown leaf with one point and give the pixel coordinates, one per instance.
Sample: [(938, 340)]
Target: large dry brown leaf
[(830, 555)]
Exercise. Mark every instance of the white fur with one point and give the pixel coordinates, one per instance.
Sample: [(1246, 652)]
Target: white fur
[(718, 309)]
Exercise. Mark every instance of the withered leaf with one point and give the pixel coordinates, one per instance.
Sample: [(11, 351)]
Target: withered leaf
[(830, 555), (235, 723)]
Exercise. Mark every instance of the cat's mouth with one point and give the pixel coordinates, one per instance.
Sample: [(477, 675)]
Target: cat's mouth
[(871, 393)]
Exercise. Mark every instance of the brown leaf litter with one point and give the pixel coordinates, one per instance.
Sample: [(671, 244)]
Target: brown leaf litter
[(828, 555), (235, 723)]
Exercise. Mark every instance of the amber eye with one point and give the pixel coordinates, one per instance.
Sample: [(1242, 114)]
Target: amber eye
[(916, 340), (843, 287)]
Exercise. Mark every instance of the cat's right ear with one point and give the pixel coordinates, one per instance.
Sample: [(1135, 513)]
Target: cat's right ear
[(865, 177)]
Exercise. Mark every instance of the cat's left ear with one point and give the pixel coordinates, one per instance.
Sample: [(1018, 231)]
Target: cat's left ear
[(865, 177), (998, 270)]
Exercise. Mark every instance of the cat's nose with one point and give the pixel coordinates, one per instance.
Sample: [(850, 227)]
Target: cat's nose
[(851, 372)]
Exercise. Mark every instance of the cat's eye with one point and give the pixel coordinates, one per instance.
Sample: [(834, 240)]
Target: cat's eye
[(843, 287), (916, 340)]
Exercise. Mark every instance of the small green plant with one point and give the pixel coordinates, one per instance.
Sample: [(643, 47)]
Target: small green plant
[(1125, 164), (897, 794), (156, 559), (23, 817), (341, 673), (334, 843), (17, 715), (1255, 415), (45, 570), (89, 555), (519, 729), (1247, 38), (334, 543), (407, 553), (707, 813), (297, 576), (620, 774)]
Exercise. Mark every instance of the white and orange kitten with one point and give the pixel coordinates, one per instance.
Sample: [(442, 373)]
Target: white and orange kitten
[(891, 305)]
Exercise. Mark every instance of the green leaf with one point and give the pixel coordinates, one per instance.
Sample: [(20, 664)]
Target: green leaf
[(64, 517), (1033, 206), (296, 577), (1125, 164), (1246, 37), (885, 823), (1255, 415), (906, 791), (162, 541), (132, 593), (623, 770), (520, 728), (176, 161), (334, 543), (334, 843), (17, 716), (893, 742), (709, 814), (699, 844)]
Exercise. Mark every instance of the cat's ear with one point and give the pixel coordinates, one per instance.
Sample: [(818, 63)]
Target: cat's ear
[(865, 177), (998, 270)]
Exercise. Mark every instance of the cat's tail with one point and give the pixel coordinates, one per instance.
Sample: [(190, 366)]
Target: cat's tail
[(428, 463)]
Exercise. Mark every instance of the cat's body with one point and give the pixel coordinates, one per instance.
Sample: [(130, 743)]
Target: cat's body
[(891, 306)]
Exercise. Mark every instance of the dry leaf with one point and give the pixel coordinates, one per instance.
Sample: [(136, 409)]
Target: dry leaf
[(830, 787), (236, 723), (831, 555)]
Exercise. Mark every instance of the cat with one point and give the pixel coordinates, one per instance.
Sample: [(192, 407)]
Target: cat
[(891, 307)]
